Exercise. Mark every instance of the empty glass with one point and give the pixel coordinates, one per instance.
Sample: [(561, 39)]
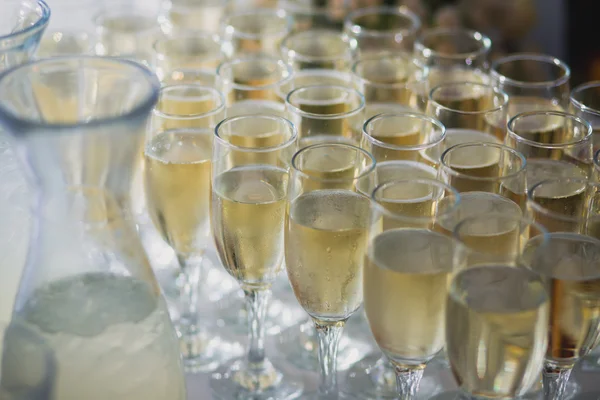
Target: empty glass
[(318, 49), (79, 124), (382, 29), (257, 31), (532, 81), (555, 144)]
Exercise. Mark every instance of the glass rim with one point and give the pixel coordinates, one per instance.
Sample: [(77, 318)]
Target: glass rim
[(597, 159), (347, 54), (531, 201), (364, 152), (496, 92), (430, 181), (407, 114), (578, 103), (402, 11), (255, 58), (497, 215), (141, 108), (228, 120), (216, 110), (38, 25), (187, 36), (230, 29), (476, 35), (450, 170), (389, 56), (135, 11), (541, 58), (345, 114), (341, 76), (563, 115)]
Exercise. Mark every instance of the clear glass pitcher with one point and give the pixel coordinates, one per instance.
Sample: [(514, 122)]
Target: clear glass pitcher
[(78, 126), (22, 23)]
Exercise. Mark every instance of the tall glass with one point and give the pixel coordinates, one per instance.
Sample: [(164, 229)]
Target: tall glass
[(189, 51), (453, 55), (88, 289), (404, 136), (485, 167), (532, 81), (470, 106), (318, 49), (585, 103), (127, 32), (388, 79), (325, 240), (555, 144), (569, 267), (496, 330), (326, 112), (177, 177), (22, 24), (192, 15), (382, 29), (256, 31), (67, 35), (407, 268), (253, 85), (249, 200)]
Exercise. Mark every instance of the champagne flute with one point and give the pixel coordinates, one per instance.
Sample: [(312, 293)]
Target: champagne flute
[(470, 106), (485, 167), (532, 81), (318, 49), (406, 272), (566, 205), (255, 31), (193, 51), (404, 136), (253, 84), (324, 112), (496, 329), (388, 79), (585, 103), (190, 15), (326, 236), (382, 29), (248, 215), (126, 31), (569, 266), (555, 144), (176, 173), (494, 238)]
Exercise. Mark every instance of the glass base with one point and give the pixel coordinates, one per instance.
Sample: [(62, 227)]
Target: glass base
[(234, 382), (298, 346), (316, 396), (570, 393), (203, 352), (372, 378)]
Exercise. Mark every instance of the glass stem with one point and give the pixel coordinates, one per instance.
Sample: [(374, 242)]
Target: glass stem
[(555, 381), (257, 302), (328, 334), (408, 379), (188, 294)]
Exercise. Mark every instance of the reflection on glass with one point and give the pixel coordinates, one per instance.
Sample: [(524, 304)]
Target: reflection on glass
[(318, 49)]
